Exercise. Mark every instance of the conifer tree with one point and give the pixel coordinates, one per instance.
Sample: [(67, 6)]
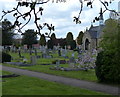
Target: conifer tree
[(42, 40)]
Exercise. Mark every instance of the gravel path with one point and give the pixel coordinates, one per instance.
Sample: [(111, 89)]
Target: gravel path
[(68, 81)]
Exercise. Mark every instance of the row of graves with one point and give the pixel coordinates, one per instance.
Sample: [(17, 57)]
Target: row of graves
[(34, 55), (84, 61)]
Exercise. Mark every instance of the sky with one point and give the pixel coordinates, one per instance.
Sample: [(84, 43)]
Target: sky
[(61, 15)]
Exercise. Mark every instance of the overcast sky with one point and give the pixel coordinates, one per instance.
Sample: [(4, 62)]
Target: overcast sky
[(61, 15)]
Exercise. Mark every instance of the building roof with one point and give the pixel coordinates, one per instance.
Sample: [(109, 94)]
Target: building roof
[(95, 31)]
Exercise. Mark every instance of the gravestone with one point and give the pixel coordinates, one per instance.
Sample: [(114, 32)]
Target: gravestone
[(43, 52), (35, 52), (72, 61), (63, 52), (25, 48), (12, 48), (59, 52), (57, 63), (33, 60), (19, 53), (30, 51)]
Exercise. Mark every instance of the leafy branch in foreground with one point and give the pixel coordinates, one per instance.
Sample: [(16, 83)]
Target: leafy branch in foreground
[(37, 13), (27, 16)]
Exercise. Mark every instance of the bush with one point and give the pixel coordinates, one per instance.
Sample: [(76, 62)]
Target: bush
[(6, 57), (106, 68)]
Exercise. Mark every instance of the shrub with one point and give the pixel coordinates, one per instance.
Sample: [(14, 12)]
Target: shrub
[(106, 67), (6, 57), (54, 62)]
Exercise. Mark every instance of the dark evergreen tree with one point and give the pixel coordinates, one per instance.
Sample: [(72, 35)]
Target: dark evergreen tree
[(69, 37), (53, 36), (29, 38), (50, 44), (73, 45), (69, 40), (42, 40), (7, 33), (79, 38)]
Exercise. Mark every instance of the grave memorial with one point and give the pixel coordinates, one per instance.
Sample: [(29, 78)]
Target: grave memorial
[(33, 60), (72, 61)]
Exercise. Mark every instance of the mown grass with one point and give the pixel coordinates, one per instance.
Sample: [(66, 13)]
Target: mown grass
[(24, 85), (83, 75), (6, 73)]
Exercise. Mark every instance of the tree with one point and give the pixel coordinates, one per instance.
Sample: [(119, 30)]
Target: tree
[(73, 44), (109, 41), (32, 5), (69, 40), (53, 36), (107, 64), (69, 36), (29, 38), (17, 43), (7, 34), (52, 41), (79, 38), (42, 40), (50, 44)]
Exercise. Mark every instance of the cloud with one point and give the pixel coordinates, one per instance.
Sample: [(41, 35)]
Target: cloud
[(61, 15)]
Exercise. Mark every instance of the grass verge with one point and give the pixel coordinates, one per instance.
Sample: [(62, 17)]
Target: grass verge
[(24, 85)]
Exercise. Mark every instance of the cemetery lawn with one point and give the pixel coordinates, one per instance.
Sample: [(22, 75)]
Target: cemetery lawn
[(24, 85), (83, 75)]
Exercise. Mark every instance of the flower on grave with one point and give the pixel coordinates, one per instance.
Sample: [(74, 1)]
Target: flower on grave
[(87, 61)]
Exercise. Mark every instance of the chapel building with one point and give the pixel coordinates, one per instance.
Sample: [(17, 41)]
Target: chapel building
[(93, 35)]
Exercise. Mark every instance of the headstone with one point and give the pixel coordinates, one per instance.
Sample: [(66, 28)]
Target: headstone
[(43, 50), (65, 49), (30, 51), (62, 52), (57, 63), (33, 60), (19, 52), (59, 52), (25, 48), (35, 52), (72, 61)]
